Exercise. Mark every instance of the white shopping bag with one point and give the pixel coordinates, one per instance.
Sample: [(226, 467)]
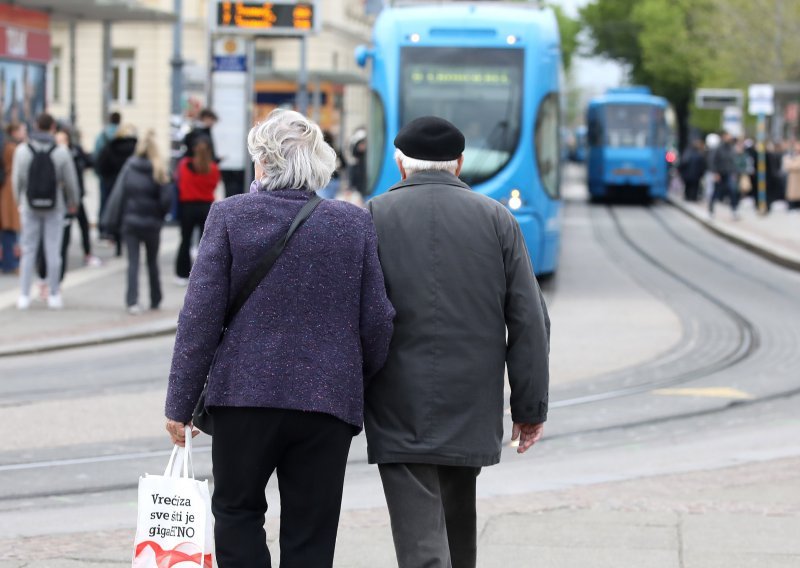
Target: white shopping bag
[(175, 528)]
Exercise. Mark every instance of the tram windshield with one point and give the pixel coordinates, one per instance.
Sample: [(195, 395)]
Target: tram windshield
[(629, 126), (478, 90)]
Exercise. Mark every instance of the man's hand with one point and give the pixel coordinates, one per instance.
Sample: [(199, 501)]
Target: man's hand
[(527, 434), (717, 177), (178, 433)]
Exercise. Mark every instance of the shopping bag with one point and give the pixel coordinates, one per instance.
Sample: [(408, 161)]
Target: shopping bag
[(175, 527)]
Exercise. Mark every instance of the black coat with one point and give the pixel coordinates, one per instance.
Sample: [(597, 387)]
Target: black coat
[(458, 274), (693, 166), (137, 201), (113, 156)]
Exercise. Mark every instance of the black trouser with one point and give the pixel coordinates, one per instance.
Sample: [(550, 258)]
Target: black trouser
[(691, 189), (193, 216), (151, 239), (726, 186), (309, 451), (432, 510), (83, 223)]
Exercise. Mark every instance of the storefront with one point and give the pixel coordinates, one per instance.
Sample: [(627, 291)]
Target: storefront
[(24, 54)]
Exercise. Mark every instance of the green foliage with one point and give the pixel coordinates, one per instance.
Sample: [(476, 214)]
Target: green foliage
[(569, 29)]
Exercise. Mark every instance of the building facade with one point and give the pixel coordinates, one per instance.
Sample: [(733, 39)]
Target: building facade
[(141, 54)]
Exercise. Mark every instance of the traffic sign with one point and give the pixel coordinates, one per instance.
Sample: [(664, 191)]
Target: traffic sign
[(760, 99)]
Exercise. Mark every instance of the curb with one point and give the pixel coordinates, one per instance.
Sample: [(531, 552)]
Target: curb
[(763, 248), (152, 329)]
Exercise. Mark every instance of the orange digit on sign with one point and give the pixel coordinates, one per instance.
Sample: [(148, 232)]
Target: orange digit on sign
[(302, 16)]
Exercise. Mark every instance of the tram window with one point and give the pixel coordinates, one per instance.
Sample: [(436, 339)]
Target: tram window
[(375, 140), (477, 89), (629, 126), (547, 146)]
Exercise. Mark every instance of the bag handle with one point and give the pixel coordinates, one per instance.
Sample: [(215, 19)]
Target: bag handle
[(183, 463)]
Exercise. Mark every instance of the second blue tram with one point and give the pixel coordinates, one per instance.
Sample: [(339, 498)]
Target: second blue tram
[(494, 72), (628, 139)]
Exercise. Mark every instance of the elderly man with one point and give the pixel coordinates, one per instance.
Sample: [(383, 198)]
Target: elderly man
[(468, 306)]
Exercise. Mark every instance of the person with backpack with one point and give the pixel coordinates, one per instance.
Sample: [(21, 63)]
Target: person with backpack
[(16, 133), (46, 186), (198, 177), (139, 201)]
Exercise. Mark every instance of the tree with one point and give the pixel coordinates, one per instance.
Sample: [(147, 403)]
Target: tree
[(568, 28), (662, 42)]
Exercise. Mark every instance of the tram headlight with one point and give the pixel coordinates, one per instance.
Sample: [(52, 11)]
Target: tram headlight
[(414, 38), (511, 40), (515, 201)]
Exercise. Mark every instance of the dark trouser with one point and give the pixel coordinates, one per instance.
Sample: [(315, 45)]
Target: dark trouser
[(193, 216), (106, 186), (234, 182), (691, 189), (83, 223), (309, 451), (432, 509), (9, 244), (726, 186), (151, 238)]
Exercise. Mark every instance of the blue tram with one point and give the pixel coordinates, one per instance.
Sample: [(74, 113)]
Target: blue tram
[(628, 136), (494, 72)]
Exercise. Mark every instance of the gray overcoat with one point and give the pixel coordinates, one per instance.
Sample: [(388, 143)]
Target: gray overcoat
[(460, 278)]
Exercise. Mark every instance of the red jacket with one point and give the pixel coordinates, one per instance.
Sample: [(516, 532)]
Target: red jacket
[(193, 186)]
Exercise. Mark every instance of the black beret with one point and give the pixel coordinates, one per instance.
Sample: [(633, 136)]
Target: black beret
[(430, 138)]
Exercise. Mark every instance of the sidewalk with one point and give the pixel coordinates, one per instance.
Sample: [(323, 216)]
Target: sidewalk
[(94, 300), (775, 237), (738, 517)]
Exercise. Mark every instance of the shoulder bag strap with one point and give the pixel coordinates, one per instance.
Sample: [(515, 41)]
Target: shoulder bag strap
[(269, 259)]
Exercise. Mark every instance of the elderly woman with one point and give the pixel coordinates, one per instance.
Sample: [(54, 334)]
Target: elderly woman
[(287, 387)]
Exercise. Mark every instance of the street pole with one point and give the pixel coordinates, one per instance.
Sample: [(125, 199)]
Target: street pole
[(302, 78), (107, 72), (762, 163), (177, 59), (73, 105)]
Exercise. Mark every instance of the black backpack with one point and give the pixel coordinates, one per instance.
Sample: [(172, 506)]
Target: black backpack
[(42, 182)]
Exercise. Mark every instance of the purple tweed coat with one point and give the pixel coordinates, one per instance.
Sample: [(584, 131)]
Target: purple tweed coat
[(313, 332)]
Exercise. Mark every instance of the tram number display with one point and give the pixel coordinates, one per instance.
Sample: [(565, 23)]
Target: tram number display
[(434, 75), (266, 17)]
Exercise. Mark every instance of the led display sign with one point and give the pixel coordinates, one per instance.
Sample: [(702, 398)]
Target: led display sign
[(277, 18)]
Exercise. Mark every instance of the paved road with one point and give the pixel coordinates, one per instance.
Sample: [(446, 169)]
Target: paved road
[(702, 374)]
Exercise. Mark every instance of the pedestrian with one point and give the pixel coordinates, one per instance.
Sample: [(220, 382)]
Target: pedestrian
[(775, 174), (331, 190), (108, 133), (358, 167), (791, 165), (109, 165), (198, 177), (139, 201), (468, 307), (16, 133), (286, 388), (692, 169), (722, 165), (743, 169), (201, 132), (46, 186)]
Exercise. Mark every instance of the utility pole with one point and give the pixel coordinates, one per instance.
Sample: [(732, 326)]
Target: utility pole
[(177, 59)]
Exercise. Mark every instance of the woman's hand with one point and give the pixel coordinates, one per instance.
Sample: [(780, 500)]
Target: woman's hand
[(177, 431)]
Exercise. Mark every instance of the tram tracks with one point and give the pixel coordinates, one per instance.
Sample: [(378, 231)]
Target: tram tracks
[(747, 343)]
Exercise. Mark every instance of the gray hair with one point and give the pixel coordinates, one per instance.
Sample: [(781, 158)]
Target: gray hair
[(292, 152), (413, 165)]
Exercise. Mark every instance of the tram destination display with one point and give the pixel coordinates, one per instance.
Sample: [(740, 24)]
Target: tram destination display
[(272, 18)]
